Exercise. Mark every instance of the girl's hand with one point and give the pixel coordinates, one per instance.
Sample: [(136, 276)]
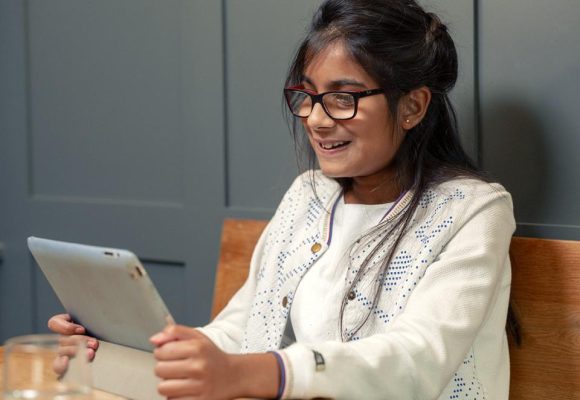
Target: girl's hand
[(192, 366), (62, 324), (70, 347)]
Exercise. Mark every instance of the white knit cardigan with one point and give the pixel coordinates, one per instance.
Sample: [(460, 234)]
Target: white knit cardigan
[(438, 331)]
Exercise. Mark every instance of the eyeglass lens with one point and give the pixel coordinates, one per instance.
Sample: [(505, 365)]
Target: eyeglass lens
[(338, 105)]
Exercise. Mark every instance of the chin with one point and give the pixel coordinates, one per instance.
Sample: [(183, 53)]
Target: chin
[(331, 173)]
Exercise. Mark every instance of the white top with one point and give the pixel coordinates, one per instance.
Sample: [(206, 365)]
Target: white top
[(316, 307), (438, 330)]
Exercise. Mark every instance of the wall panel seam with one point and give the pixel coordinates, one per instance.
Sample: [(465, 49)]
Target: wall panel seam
[(226, 144), (48, 198), (28, 97), (476, 87), (29, 154), (33, 293)]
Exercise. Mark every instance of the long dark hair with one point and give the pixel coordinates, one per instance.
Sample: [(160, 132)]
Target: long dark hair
[(403, 48)]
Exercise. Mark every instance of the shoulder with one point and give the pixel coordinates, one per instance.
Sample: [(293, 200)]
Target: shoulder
[(468, 197), (470, 189)]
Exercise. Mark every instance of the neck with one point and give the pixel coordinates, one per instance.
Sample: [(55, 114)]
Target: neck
[(372, 190)]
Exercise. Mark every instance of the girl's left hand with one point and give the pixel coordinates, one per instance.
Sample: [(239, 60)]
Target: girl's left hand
[(191, 366)]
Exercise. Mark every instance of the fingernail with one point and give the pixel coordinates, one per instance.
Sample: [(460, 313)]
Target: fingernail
[(79, 330)]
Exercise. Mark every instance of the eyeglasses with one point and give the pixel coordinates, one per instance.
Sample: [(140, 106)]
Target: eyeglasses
[(339, 105)]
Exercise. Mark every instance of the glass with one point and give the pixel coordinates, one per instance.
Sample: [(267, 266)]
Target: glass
[(37, 367), (338, 105)]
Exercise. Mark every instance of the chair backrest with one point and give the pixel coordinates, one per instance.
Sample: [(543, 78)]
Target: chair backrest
[(545, 290), (546, 294), (239, 238)]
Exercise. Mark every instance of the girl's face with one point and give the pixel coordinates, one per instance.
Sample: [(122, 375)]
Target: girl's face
[(359, 148)]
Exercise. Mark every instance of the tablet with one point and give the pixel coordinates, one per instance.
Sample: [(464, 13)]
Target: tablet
[(106, 290)]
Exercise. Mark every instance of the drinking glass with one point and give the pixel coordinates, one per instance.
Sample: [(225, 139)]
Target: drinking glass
[(46, 367)]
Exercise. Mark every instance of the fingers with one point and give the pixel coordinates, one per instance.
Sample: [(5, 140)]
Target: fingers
[(69, 346), (62, 323), (91, 354), (180, 369), (74, 340), (64, 354), (92, 346), (91, 342), (188, 363), (179, 350), (180, 388), (174, 332), (60, 365)]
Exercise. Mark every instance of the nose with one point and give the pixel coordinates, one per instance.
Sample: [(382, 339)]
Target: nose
[(318, 118)]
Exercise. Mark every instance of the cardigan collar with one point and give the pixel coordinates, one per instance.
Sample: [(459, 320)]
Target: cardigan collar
[(329, 193)]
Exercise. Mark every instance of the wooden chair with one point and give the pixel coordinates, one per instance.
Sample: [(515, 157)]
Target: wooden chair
[(546, 293), (239, 237), (545, 290)]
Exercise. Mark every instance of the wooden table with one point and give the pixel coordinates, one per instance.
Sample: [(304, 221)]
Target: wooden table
[(97, 394)]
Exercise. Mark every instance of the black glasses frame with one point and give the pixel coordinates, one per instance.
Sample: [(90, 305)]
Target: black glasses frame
[(317, 98)]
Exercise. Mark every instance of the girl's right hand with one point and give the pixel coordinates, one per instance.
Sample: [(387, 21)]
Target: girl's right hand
[(62, 324)]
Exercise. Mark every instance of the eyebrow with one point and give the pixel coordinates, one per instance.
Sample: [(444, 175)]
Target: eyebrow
[(337, 83)]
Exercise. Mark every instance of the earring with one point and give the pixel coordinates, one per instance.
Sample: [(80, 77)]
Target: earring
[(407, 121)]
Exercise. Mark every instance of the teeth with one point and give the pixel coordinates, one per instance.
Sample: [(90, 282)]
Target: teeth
[(330, 146)]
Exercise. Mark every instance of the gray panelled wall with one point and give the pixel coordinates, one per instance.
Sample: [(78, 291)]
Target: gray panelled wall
[(143, 123)]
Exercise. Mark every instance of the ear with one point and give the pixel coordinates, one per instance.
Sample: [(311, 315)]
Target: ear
[(413, 107)]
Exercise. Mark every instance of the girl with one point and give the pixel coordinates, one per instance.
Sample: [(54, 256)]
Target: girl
[(384, 273)]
